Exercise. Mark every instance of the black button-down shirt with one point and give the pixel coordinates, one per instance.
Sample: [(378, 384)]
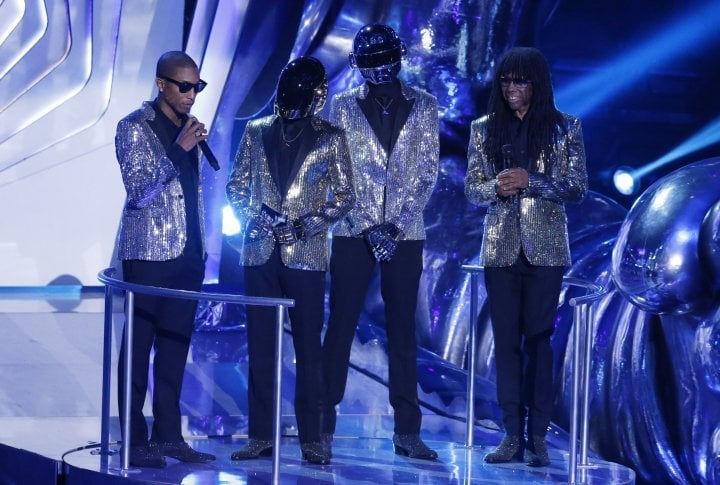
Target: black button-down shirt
[(519, 141)]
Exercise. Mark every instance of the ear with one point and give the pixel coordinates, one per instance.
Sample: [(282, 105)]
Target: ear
[(353, 63), (160, 83)]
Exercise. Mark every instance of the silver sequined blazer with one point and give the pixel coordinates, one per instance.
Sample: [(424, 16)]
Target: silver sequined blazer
[(536, 222), (153, 226), (391, 187), (320, 193)]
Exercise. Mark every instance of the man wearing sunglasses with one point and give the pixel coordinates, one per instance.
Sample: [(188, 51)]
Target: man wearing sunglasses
[(161, 243), (525, 160)]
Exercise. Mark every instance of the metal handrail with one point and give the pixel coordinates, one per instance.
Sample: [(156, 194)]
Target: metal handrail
[(583, 321), (106, 277)]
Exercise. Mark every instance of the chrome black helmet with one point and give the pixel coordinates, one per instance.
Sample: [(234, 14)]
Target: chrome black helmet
[(302, 89), (377, 52)]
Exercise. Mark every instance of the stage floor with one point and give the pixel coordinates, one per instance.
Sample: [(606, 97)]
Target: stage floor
[(72, 442), (50, 381)]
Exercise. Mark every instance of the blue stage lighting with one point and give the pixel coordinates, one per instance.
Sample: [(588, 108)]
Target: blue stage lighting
[(688, 32), (230, 223), (626, 181), (705, 137)]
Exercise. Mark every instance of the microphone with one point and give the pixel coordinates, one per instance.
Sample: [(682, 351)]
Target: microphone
[(205, 149), (507, 153), (209, 155)]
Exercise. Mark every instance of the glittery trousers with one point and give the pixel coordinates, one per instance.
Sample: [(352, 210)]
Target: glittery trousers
[(523, 303), (307, 288), (351, 269), (165, 324)]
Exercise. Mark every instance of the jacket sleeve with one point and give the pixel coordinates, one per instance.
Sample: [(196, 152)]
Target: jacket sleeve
[(342, 192), (144, 171), (427, 173), (480, 179), (568, 180), (239, 187)]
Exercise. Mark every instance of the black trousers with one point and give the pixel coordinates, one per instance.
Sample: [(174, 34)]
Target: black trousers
[(167, 325), (307, 288), (351, 268), (523, 305)]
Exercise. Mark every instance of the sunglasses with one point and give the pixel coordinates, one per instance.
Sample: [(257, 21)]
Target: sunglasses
[(518, 82), (185, 86)]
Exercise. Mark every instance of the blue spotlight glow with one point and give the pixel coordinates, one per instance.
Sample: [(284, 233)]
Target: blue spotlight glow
[(686, 33), (230, 223), (705, 137), (625, 181)]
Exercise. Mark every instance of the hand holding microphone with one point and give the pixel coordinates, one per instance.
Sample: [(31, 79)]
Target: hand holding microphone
[(194, 133), (512, 179)]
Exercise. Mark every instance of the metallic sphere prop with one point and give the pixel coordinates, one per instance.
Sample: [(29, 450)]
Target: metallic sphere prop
[(660, 261)]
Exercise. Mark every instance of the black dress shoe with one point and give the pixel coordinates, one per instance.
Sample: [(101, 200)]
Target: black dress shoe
[(145, 456), (181, 451), (412, 446), (326, 440), (254, 449), (510, 448), (536, 453), (314, 453)]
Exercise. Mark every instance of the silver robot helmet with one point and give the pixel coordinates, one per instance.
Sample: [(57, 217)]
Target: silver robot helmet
[(377, 53)]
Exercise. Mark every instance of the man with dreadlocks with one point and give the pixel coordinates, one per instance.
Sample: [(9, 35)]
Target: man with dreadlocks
[(525, 160)]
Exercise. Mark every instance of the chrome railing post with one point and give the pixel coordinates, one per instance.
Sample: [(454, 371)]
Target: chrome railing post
[(277, 403), (583, 334), (106, 370), (576, 371), (588, 326), (472, 346), (127, 396)]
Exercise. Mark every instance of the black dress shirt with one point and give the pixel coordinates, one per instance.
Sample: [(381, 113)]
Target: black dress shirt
[(386, 99), (519, 141), (187, 166), (289, 135)]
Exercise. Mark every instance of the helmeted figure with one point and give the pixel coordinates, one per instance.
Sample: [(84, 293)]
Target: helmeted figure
[(302, 89), (290, 182), (377, 53), (392, 133)]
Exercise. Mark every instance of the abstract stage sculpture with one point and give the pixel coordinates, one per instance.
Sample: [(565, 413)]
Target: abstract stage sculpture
[(657, 344)]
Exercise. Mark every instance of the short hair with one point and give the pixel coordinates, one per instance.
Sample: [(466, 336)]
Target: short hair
[(172, 60)]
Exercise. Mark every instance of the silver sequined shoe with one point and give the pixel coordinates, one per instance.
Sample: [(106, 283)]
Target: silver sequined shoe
[(536, 453), (326, 440), (254, 449), (412, 446), (510, 449), (314, 453)]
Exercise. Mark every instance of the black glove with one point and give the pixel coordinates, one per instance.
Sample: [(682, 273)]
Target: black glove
[(383, 240), (289, 232)]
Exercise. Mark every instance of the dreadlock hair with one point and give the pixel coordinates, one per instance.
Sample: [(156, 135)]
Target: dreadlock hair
[(172, 60), (543, 117)]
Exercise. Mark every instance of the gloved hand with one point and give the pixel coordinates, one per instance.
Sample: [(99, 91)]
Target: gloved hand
[(262, 225), (257, 228), (289, 232), (383, 240), (271, 216)]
